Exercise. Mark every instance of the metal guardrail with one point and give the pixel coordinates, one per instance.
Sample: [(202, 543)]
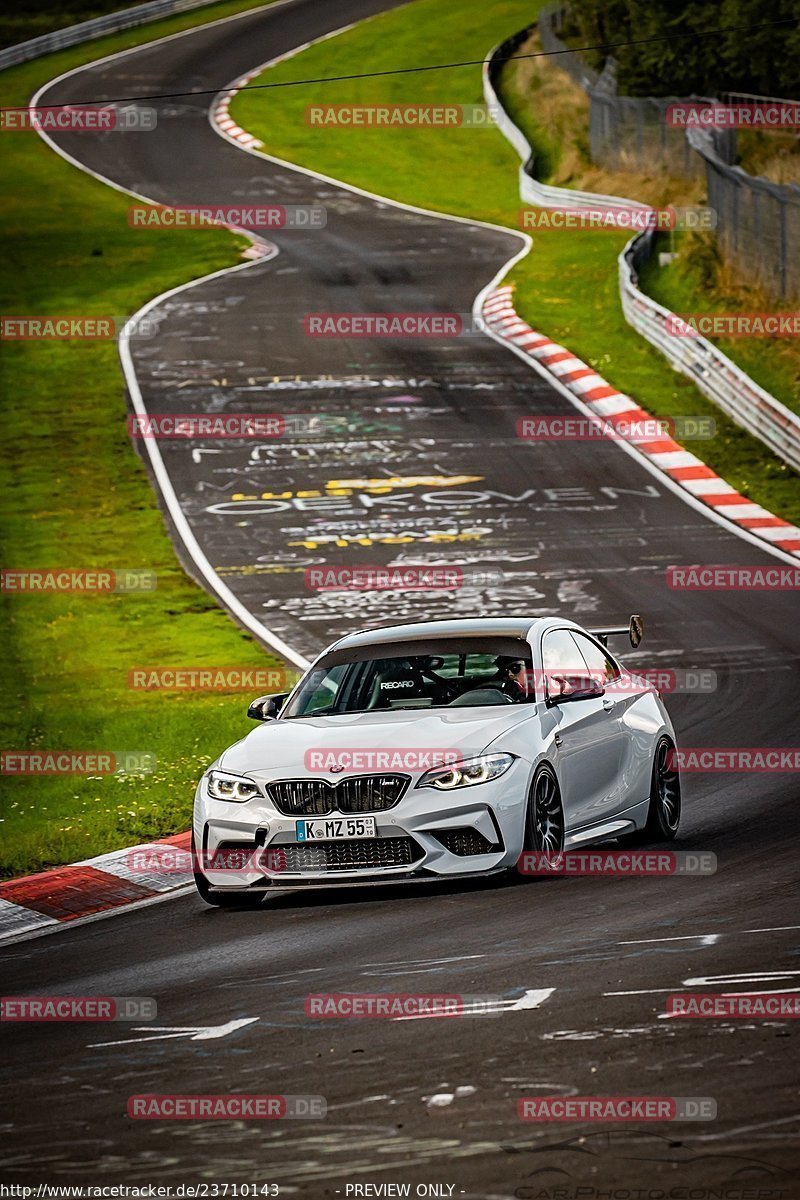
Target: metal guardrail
[(530, 189), (730, 388), (86, 31)]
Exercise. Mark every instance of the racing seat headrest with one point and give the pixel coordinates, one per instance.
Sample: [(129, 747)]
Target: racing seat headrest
[(397, 683)]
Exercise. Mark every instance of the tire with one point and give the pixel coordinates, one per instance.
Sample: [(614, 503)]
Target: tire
[(545, 827), (217, 899), (664, 809)]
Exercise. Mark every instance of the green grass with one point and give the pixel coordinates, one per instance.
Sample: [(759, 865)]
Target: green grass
[(566, 287), (467, 171), (681, 286), (77, 495)]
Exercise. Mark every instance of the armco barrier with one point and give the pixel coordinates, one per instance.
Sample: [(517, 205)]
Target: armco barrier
[(720, 379), (739, 396), (72, 35), (530, 189)]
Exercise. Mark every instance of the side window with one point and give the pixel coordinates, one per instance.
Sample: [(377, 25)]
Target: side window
[(600, 665), (560, 657)]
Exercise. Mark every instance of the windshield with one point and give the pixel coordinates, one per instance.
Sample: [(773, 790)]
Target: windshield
[(463, 674)]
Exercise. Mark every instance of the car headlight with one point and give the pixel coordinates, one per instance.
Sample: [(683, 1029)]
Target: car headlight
[(222, 785), (472, 770)]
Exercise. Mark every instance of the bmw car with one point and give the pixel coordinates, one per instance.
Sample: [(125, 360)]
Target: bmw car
[(438, 750)]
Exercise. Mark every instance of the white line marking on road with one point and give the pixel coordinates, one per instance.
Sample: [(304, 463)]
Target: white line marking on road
[(443, 1099), (732, 1133), (397, 974), (641, 992), (772, 928), (532, 998), (708, 939), (779, 991), (194, 1033), (421, 962), (739, 977)]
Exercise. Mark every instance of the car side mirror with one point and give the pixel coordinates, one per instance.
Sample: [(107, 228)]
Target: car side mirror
[(572, 687), (266, 708)]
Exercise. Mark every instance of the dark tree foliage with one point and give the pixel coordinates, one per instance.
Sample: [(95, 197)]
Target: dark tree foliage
[(762, 61)]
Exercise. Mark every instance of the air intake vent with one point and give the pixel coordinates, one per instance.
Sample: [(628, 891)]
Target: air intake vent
[(466, 841), (355, 854)]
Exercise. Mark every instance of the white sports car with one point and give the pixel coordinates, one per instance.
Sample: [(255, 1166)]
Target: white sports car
[(437, 751)]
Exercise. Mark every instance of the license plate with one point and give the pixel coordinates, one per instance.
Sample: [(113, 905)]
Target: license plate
[(331, 829)]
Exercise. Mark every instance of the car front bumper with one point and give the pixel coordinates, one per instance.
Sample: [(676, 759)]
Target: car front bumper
[(427, 834)]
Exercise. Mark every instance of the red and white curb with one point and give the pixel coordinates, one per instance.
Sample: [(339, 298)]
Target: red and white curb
[(95, 886), (620, 411), (221, 116), (219, 112)]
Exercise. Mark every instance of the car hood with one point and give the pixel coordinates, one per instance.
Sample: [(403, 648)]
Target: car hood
[(278, 746)]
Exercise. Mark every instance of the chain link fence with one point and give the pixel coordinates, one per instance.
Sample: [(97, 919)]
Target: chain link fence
[(758, 222), (626, 133)]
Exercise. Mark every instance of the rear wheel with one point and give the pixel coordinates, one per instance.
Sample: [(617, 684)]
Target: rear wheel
[(664, 811), (545, 828)]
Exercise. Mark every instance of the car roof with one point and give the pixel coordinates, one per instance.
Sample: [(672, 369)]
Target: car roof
[(463, 627)]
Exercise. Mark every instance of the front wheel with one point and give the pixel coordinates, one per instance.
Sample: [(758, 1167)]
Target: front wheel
[(545, 827), (664, 810)]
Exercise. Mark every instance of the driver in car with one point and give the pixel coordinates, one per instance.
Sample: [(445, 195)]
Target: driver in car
[(511, 678)]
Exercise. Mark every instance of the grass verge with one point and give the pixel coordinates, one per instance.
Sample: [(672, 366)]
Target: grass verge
[(699, 281), (567, 286), (78, 496)]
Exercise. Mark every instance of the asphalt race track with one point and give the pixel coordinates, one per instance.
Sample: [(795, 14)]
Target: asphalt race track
[(582, 529)]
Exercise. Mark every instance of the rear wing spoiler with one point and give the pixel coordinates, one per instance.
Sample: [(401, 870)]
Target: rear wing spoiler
[(634, 630)]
